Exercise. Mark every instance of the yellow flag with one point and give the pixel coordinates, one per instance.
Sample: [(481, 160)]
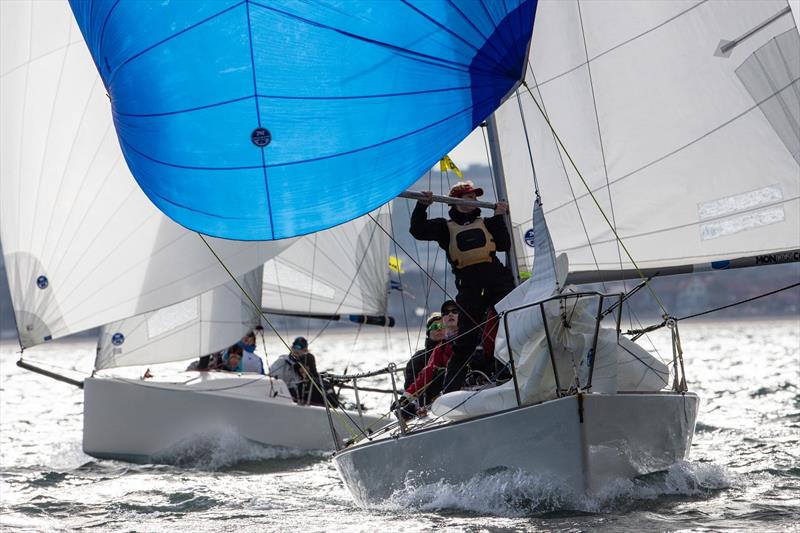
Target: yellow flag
[(447, 164), (395, 264)]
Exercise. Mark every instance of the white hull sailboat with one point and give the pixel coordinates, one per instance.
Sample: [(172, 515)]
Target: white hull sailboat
[(579, 443), (143, 420), (644, 128), (658, 134), (84, 248)]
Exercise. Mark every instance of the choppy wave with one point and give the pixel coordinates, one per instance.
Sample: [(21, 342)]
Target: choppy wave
[(515, 493), (222, 449)]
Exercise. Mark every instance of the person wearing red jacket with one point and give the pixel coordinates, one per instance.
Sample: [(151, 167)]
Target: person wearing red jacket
[(429, 379)]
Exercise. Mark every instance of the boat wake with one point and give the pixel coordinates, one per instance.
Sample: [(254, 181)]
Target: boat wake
[(221, 450), (514, 493)]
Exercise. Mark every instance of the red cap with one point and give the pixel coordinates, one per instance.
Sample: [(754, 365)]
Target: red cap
[(463, 187)]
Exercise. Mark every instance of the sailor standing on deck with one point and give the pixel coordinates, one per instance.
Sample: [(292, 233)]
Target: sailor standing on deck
[(470, 243)]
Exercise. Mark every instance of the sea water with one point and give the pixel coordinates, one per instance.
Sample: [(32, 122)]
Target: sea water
[(743, 472)]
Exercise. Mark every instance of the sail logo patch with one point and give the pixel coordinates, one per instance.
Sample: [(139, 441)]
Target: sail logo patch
[(42, 282), (117, 339), (529, 238), (261, 137)]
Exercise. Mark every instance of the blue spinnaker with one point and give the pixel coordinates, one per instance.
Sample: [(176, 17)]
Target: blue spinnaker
[(260, 120)]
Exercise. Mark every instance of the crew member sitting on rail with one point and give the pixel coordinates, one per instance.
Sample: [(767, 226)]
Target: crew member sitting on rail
[(430, 380), (434, 334), (297, 369), (250, 361)]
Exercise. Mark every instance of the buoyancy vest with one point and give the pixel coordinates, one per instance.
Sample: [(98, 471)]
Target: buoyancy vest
[(470, 244)]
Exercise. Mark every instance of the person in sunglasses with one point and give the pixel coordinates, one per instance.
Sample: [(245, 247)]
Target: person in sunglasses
[(429, 381), (470, 243), (434, 334)]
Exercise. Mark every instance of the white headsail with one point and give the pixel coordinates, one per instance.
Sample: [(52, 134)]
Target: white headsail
[(83, 245), (681, 116)]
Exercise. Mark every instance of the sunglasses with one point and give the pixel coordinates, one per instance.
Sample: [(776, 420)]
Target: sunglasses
[(435, 326), (451, 311)]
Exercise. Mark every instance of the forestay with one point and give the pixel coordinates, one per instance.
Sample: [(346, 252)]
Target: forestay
[(198, 326), (340, 270), (82, 245), (250, 119), (691, 152)]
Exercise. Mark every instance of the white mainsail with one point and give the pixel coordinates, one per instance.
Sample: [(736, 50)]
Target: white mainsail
[(83, 246), (339, 270), (693, 153)]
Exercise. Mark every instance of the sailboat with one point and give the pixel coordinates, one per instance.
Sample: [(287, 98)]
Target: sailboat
[(654, 138), (241, 120), (143, 420), (85, 248)]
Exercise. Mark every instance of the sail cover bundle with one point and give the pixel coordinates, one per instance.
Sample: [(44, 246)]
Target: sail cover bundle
[(263, 120)]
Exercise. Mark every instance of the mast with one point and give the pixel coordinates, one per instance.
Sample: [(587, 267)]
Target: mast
[(502, 191)]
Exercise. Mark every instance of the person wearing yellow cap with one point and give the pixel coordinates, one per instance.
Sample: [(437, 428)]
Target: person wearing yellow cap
[(470, 243)]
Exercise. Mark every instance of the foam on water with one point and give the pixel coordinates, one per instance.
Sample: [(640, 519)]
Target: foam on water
[(515, 493), (222, 449)]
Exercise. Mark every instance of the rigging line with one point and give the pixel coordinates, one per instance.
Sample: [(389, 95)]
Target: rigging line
[(449, 297), (528, 141), (236, 281), (580, 175), (264, 316), (310, 293), (352, 282), (400, 281), (426, 286), (566, 178), (599, 133), (793, 285), (417, 394)]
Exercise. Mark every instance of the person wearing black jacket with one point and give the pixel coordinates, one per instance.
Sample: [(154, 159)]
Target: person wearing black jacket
[(470, 243)]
